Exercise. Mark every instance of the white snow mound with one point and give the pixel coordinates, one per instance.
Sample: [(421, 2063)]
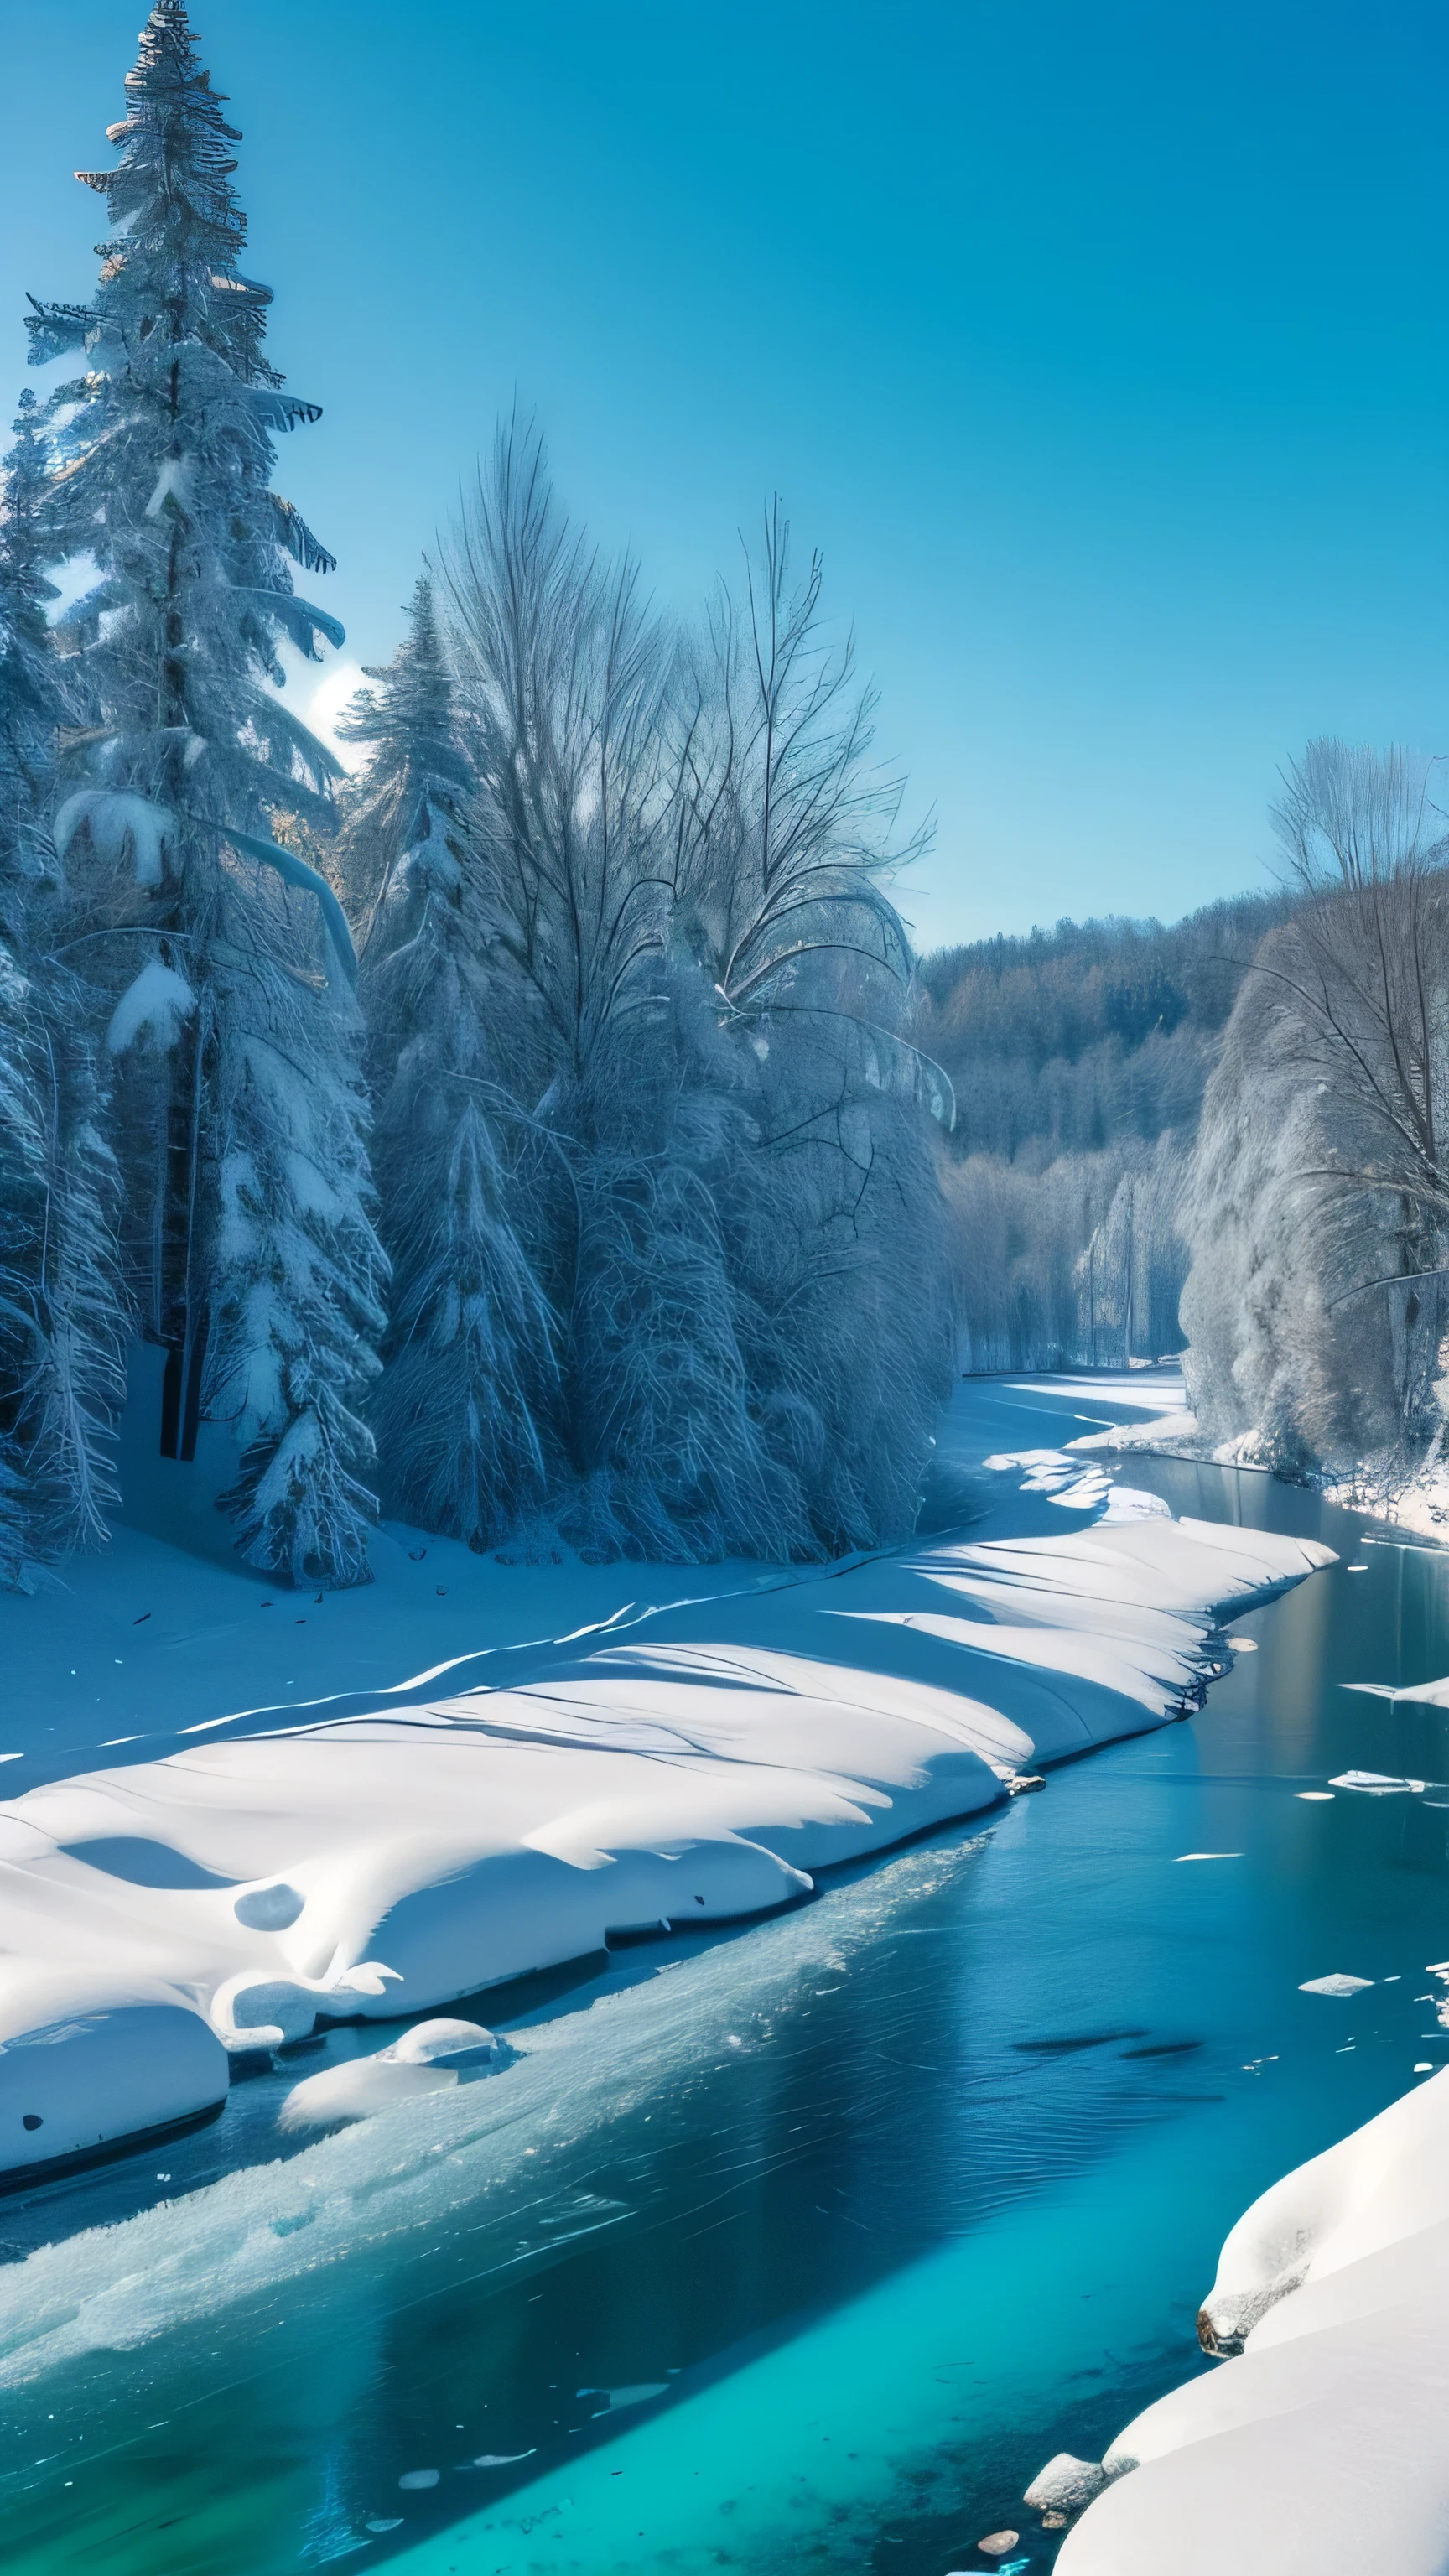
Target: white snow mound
[(1323, 2438), (376, 1865)]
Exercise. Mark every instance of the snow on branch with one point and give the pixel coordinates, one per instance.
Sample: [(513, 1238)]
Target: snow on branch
[(116, 819), (295, 871), (281, 411), (302, 622), (155, 1005), (298, 539)]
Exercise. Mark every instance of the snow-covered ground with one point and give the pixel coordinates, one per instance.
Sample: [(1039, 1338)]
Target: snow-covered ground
[(1319, 2449), (204, 1855), (1417, 1502)]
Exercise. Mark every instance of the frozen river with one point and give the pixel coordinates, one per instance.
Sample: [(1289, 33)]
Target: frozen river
[(807, 2244)]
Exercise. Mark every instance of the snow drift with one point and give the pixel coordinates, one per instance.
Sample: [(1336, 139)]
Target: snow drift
[(1321, 2444), (393, 1858)]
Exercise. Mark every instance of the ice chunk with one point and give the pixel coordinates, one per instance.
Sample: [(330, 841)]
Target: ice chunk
[(446, 2043), (1374, 1784), (427, 2059), (1338, 1984)]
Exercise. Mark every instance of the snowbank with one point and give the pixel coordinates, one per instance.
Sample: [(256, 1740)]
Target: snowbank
[(1320, 2447), (91, 2061), (418, 1845)]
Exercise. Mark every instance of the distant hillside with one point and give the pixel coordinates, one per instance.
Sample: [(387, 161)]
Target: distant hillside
[(1063, 1042), (1079, 1058)]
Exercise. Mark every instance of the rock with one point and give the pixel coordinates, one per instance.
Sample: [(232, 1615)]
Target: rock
[(1065, 2485), (997, 2543)]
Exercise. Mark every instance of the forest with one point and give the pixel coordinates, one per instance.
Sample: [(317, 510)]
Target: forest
[(525, 1136), (1079, 1058), (544, 1133)]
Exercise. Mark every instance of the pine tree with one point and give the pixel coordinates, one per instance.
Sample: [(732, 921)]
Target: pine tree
[(469, 1376), (240, 1116), (61, 1312)]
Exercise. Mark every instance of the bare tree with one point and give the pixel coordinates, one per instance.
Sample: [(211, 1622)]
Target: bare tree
[(1320, 1214), (1364, 1005), (697, 1004)]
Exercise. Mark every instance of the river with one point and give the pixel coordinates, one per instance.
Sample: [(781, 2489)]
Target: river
[(935, 2195)]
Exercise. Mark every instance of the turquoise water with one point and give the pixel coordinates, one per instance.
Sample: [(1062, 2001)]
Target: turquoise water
[(935, 2193)]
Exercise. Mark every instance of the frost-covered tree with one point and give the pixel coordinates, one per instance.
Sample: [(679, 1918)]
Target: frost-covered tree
[(697, 1004), (61, 1313), (240, 1118), (1319, 1210), (787, 842), (469, 1386)]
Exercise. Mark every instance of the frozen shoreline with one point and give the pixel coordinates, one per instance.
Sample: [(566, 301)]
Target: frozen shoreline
[(1420, 1505), (223, 1884), (1320, 2443)]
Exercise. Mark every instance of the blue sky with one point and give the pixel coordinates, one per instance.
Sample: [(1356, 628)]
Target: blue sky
[(1100, 348)]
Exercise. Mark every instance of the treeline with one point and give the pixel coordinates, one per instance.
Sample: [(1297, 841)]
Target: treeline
[(1318, 1216), (1079, 1059), (529, 1131)]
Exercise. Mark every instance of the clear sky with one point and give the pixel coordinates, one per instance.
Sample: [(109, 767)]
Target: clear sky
[(1099, 344)]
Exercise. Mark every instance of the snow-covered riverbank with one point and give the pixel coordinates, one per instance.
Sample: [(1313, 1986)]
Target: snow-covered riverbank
[(1418, 1502), (1319, 2448), (227, 1878)]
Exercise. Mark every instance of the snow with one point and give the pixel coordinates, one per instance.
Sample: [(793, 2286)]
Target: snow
[(155, 1004), (430, 2058), (90, 2056), (116, 818), (1375, 1784), (1321, 2443), (410, 1842)]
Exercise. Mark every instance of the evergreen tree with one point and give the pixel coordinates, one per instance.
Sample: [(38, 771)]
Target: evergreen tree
[(61, 1312), (469, 1375), (240, 1115)]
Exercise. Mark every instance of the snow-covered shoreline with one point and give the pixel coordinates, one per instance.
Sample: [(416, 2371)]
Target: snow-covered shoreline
[(221, 1885), (1418, 1503), (1319, 2444)]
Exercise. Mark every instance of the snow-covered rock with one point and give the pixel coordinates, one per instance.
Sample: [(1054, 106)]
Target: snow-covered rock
[(430, 2058), (1324, 2437)]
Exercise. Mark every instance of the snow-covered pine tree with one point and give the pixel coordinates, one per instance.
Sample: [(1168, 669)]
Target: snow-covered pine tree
[(61, 1311), (470, 1376), (240, 1114)]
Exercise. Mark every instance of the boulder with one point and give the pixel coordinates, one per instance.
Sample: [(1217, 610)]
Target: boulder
[(1065, 2485)]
